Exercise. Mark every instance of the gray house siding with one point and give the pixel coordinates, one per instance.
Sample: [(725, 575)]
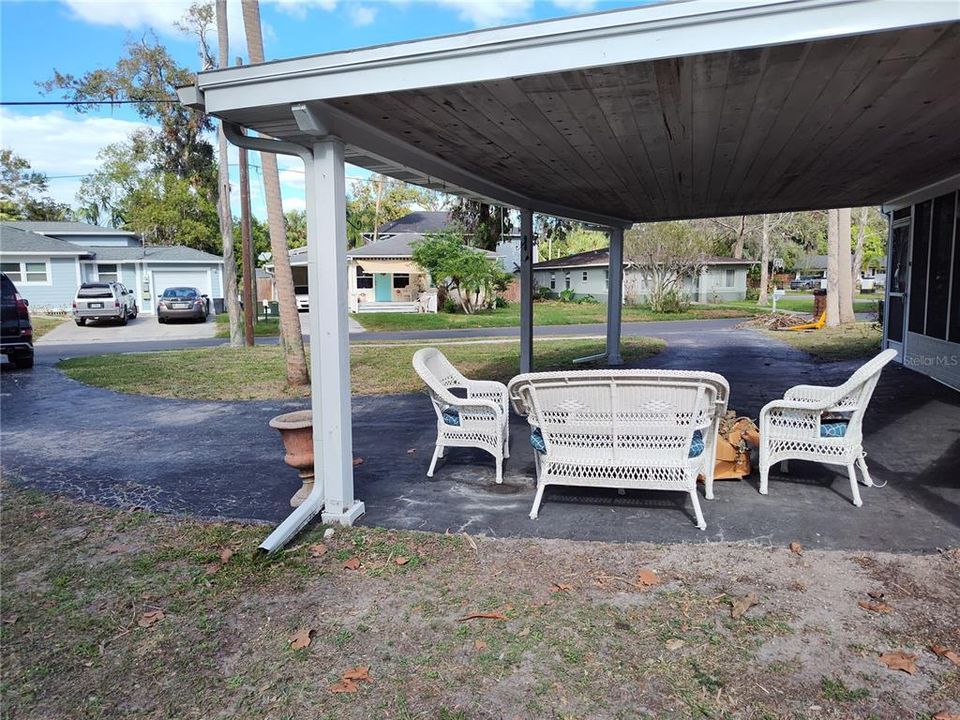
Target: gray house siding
[(59, 290), (594, 284), (101, 240)]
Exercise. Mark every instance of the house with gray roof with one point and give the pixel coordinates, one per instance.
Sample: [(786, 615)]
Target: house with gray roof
[(721, 279), (49, 260)]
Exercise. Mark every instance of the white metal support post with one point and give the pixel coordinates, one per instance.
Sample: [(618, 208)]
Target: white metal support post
[(614, 296), (526, 291), (329, 336)]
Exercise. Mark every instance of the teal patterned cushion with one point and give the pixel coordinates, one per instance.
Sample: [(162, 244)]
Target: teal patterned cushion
[(833, 429), (536, 441), (451, 416), (697, 445)]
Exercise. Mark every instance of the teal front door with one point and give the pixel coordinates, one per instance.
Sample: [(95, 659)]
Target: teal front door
[(382, 287)]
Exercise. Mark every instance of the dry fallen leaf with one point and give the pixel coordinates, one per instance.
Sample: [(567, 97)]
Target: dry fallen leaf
[(796, 548), (225, 555), (357, 461), (674, 644), (479, 645), (484, 616), (741, 605), (900, 660), (344, 686), (352, 564), (317, 550), (648, 578), (357, 674), (401, 560), (212, 568), (301, 639), (945, 715), (945, 652), (10, 619), (150, 618), (560, 587), (877, 607)]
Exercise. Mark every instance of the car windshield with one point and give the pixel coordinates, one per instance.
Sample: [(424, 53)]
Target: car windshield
[(183, 293), (99, 290)]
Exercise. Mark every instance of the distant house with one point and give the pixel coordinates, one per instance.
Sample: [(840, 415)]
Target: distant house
[(49, 260), (587, 274)]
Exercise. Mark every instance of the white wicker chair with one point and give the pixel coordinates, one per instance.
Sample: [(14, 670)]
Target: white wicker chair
[(624, 429), (479, 420), (790, 429)]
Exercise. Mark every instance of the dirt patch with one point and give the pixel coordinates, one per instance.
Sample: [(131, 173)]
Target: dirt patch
[(566, 629)]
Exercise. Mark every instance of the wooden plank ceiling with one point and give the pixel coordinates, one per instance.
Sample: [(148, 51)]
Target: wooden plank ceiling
[(841, 122)]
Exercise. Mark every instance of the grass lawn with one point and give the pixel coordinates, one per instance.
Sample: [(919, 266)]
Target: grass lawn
[(804, 303), (845, 342), (377, 369), (264, 328), (42, 324), (120, 613), (544, 313)]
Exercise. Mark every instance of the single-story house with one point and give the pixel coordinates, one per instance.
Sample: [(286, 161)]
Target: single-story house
[(49, 260), (587, 273), (381, 277)]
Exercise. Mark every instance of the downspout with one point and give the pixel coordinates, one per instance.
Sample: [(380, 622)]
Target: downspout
[(313, 503)]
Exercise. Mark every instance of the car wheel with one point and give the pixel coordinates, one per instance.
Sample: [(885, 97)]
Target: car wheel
[(134, 313), (81, 322), (123, 319), (24, 361)]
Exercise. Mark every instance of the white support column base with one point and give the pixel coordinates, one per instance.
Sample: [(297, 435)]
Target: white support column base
[(346, 517)]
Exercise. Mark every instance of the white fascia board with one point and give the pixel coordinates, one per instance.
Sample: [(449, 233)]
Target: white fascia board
[(640, 34), (148, 261), (925, 193), (41, 253)]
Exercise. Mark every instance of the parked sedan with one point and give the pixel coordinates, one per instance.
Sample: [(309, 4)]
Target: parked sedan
[(16, 340), (182, 302)]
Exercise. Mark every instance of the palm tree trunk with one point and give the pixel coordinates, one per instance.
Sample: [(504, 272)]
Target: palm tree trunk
[(290, 336), (764, 260), (224, 213), (833, 269), (845, 275)]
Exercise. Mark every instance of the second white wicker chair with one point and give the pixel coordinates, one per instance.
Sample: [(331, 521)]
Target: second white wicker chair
[(793, 428), (479, 419)]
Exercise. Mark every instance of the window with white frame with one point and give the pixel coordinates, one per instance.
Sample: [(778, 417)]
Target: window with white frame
[(566, 279), (26, 272), (364, 279), (584, 275), (553, 281), (606, 279), (108, 272), (729, 278)]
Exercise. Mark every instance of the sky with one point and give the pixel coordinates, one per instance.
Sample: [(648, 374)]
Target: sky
[(75, 36)]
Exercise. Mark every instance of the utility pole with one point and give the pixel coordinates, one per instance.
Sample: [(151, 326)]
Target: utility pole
[(247, 243)]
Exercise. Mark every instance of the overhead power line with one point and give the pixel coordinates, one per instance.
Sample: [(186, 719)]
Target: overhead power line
[(86, 102)]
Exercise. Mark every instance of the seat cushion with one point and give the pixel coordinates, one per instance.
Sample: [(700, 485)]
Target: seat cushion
[(536, 440), (833, 429), (696, 445), (451, 416)]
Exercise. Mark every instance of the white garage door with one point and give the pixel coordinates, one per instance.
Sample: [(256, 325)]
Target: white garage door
[(163, 279)]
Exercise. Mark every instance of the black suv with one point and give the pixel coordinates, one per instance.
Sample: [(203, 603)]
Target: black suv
[(16, 340)]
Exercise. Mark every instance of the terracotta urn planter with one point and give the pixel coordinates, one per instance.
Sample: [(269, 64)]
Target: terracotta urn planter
[(296, 431)]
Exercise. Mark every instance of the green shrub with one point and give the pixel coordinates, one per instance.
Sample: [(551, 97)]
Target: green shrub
[(449, 306), (544, 293), (587, 300), (500, 302), (672, 301), (753, 294), (567, 295)]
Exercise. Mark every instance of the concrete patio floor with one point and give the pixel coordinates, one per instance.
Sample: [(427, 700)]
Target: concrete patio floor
[(219, 460)]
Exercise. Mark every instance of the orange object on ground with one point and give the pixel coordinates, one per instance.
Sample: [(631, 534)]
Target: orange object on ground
[(810, 326)]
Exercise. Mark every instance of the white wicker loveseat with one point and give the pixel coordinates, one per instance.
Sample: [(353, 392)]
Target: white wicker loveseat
[(625, 429), (794, 428), (479, 417)]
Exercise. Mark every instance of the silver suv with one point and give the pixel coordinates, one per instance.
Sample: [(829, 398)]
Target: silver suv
[(104, 301)]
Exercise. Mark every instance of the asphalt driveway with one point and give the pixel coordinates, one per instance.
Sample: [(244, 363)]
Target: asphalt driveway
[(220, 459)]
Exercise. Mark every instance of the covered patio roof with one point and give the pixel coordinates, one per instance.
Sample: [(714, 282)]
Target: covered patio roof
[(672, 110)]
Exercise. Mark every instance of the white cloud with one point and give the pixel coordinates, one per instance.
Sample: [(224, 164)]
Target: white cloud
[(577, 5), (294, 203), (57, 144), (361, 15), (487, 13), (299, 8)]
